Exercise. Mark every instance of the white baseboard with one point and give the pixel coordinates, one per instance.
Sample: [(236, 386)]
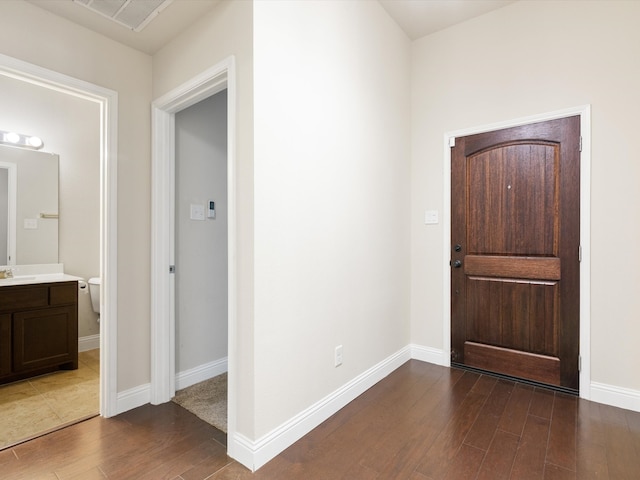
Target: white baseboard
[(141, 395), (90, 342), (254, 454), (428, 354), (133, 398), (615, 396), (201, 373)]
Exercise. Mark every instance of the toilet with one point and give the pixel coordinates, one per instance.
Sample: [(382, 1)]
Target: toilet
[(94, 293)]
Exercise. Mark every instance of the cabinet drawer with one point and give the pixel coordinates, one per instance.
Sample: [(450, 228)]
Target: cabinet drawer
[(63, 293), (16, 298)]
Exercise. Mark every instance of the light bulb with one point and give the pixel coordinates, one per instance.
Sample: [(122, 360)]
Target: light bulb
[(35, 142), (12, 137)]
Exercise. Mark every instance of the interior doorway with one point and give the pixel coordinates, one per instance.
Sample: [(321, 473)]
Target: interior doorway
[(201, 256), (107, 101), (219, 78)]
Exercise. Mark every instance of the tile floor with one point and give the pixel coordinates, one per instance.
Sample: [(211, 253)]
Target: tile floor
[(29, 408)]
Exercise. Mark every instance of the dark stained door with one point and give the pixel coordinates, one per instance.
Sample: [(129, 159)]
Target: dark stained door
[(515, 232)]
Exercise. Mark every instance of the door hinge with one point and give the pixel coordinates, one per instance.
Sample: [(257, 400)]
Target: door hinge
[(580, 144), (452, 141), (579, 363), (172, 269), (579, 253)]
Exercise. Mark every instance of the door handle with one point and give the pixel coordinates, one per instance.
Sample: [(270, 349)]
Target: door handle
[(456, 263)]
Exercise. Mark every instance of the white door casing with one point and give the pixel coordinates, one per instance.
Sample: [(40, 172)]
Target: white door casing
[(215, 79)]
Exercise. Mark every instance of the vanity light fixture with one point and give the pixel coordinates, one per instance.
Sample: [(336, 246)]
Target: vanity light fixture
[(20, 140)]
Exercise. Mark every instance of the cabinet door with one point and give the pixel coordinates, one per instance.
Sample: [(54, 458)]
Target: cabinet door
[(5, 344), (43, 338)]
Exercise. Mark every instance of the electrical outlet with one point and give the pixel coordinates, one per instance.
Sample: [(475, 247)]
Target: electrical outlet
[(338, 356)]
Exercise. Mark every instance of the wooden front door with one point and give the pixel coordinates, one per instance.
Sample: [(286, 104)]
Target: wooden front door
[(515, 232)]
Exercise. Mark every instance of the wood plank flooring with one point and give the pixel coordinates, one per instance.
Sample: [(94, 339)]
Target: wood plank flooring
[(423, 422)]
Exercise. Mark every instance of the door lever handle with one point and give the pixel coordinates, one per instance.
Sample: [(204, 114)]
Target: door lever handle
[(456, 263)]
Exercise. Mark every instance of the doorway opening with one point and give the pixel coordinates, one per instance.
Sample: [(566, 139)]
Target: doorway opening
[(217, 79), (201, 259), (106, 100), (582, 360)]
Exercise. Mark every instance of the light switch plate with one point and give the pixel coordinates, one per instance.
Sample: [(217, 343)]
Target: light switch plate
[(431, 217), (30, 223), (197, 212)]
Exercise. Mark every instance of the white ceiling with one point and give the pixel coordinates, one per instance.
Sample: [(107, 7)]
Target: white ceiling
[(421, 17), (416, 17)]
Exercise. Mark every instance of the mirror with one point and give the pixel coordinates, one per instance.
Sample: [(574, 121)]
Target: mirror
[(28, 207)]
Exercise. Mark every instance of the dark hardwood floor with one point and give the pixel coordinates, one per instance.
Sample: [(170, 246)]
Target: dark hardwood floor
[(421, 422)]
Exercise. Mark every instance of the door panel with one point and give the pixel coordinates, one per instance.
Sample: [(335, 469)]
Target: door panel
[(513, 314), (517, 218), (515, 232)]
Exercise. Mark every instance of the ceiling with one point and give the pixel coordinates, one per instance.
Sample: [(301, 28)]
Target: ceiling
[(421, 17), (176, 17), (416, 17)]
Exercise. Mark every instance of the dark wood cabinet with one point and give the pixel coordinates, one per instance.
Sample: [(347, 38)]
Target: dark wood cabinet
[(5, 345), (38, 329)]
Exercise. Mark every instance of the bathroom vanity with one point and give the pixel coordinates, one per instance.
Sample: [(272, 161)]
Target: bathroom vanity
[(38, 326)]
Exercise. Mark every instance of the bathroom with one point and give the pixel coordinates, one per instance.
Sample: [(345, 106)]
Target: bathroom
[(69, 127)]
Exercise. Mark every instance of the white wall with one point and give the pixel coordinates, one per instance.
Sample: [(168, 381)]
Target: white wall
[(69, 127), (201, 245), (39, 37), (331, 93), (529, 58)]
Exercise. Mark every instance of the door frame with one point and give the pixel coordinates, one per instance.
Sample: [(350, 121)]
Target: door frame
[(108, 102), (584, 111), (163, 322)]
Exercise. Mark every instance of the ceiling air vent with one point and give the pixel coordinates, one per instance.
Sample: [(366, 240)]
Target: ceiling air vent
[(133, 14)]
